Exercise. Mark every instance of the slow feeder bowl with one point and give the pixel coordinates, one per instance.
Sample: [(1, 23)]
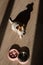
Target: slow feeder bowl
[(13, 54)]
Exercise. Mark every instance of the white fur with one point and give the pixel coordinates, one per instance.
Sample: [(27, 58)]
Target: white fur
[(10, 21), (13, 27), (20, 33)]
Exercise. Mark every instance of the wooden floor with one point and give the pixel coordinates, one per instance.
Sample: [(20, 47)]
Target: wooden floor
[(11, 37)]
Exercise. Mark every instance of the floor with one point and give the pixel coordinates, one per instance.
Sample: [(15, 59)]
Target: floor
[(11, 37)]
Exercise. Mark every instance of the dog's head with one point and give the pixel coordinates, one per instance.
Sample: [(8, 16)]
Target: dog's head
[(20, 30)]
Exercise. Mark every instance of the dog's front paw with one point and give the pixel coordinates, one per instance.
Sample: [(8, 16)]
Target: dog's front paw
[(21, 36)]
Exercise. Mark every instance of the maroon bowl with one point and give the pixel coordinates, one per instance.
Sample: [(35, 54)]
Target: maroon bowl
[(13, 54)]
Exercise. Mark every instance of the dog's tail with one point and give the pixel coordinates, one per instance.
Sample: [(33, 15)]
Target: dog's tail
[(10, 20)]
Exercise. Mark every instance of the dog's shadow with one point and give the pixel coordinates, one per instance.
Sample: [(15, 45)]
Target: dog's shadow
[(24, 16)]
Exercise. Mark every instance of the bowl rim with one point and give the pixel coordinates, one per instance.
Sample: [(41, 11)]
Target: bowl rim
[(12, 59)]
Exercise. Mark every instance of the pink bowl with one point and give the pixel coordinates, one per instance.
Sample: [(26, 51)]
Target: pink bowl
[(13, 54), (23, 62)]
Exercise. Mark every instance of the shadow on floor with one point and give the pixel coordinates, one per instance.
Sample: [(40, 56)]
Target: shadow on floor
[(5, 20), (24, 16), (37, 56), (15, 46)]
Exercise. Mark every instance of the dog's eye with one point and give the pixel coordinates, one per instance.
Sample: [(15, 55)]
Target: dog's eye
[(17, 27)]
